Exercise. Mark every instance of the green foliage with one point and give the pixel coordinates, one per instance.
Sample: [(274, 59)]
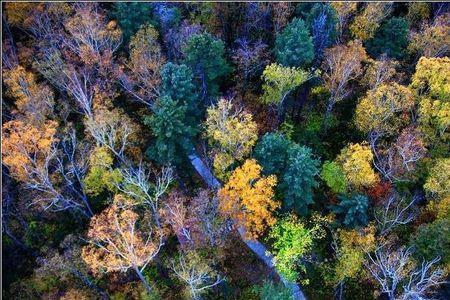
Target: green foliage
[(294, 165), (173, 135), (433, 240), (438, 181), (131, 16), (309, 132), (322, 21), (205, 55), (177, 83), (299, 178), (294, 46), (271, 291), (101, 176), (391, 38), (100, 179), (291, 241), (334, 177), (353, 209), (279, 81), (271, 152)]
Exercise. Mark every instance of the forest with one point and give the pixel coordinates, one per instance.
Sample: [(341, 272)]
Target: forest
[(225, 150)]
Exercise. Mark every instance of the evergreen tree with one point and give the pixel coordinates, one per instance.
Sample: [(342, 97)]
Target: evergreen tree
[(173, 135), (391, 38), (353, 209), (131, 16), (271, 152), (294, 46), (177, 83), (205, 56), (298, 180)]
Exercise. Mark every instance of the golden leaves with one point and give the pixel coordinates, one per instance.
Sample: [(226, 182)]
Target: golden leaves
[(248, 198), (26, 147)]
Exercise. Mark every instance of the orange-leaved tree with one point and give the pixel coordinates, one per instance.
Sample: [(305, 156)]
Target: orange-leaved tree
[(120, 239), (27, 148), (248, 199)]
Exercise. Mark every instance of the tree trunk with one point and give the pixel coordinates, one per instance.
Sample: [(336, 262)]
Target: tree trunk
[(90, 284), (339, 291), (326, 119), (144, 281)]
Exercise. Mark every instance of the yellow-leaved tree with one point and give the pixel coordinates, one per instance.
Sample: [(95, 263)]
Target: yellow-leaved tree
[(432, 85), (356, 160), (35, 101), (232, 132), (366, 24), (385, 109), (350, 247), (247, 198)]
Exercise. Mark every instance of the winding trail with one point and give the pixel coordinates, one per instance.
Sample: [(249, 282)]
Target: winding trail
[(256, 247)]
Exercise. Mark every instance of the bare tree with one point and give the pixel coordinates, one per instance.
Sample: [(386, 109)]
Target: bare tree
[(422, 280), (196, 272), (196, 221), (176, 38), (251, 58), (176, 213), (137, 183), (54, 172), (394, 270), (398, 161), (112, 129), (341, 64), (380, 71), (141, 77), (89, 28), (78, 60), (396, 211)]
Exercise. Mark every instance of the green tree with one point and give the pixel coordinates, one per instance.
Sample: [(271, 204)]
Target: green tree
[(391, 38), (101, 176), (438, 181), (334, 177), (432, 78), (294, 165), (299, 178), (279, 82), (170, 127), (271, 291), (291, 241), (433, 240), (205, 56), (353, 209), (177, 83), (322, 21), (431, 83), (131, 16), (271, 152), (294, 46)]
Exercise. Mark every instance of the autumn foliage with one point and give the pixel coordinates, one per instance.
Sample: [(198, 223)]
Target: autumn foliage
[(248, 199)]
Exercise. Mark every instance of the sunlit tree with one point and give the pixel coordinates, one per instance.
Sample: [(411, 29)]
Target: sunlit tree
[(247, 198)]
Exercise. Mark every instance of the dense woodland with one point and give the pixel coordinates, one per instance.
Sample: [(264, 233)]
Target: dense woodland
[(226, 150)]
